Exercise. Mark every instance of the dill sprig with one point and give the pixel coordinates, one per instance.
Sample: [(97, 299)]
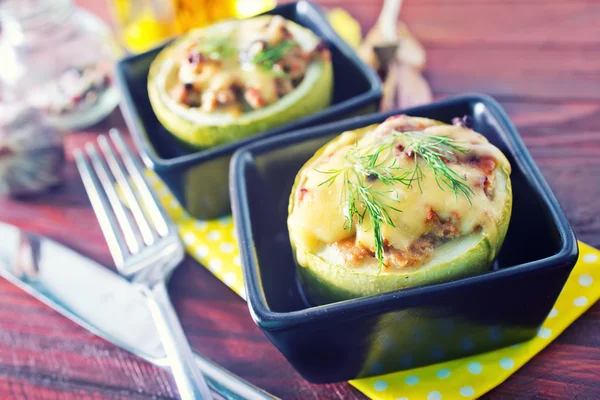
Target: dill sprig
[(436, 151), (357, 193), (217, 47), (378, 163), (272, 54)]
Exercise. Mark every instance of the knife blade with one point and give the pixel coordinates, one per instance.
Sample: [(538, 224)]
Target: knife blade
[(100, 301)]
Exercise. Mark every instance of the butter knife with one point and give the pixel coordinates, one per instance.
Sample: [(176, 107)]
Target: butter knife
[(100, 301)]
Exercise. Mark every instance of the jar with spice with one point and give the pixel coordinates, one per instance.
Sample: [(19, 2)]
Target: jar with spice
[(58, 59), (31, 152)]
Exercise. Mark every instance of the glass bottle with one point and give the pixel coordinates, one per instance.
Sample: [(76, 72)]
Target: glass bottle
[(144, 24)]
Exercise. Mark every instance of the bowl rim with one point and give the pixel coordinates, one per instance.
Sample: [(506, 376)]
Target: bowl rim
[(153, 160), (274, 320)]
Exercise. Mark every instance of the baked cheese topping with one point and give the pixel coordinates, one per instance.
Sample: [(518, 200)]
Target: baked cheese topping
[(240, 66), (428, 182)]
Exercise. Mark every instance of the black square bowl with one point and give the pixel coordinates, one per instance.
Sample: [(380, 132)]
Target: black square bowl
[(408, 328), (200, 179)]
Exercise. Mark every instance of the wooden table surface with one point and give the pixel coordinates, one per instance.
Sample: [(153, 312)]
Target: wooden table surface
[(539, 58)]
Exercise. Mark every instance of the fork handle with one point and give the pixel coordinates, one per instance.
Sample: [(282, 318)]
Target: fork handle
[(190, 381)]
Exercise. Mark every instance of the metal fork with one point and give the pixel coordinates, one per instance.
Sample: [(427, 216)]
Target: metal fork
[(147, 252)]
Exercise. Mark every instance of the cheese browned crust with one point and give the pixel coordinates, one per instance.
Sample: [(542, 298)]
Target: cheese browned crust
[(221, 70), (429, 215)]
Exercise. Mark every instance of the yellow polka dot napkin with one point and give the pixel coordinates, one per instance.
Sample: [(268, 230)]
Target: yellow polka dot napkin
[(213, 244)]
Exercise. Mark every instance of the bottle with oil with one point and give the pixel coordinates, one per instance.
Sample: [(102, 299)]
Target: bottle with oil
[(144, 24)]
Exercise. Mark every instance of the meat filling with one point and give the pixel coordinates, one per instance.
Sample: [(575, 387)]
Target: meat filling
[(487, 165), (217, 73), (439, 231), (352, 252)]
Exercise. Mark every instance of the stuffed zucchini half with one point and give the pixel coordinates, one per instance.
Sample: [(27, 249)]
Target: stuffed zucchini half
[(236, 78), (405, 203)]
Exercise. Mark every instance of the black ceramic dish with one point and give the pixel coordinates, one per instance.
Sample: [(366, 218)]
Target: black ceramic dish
[(402, 329), (199, 179)]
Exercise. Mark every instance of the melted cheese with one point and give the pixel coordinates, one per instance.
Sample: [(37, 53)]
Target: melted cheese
[(229, 70), (317, 218), (255, 77)]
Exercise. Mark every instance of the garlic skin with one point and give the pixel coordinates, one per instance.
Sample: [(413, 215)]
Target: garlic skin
[(404, 85)]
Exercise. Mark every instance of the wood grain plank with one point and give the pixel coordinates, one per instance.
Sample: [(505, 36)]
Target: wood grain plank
[(539, 55), (485, 23), (560, 372), (489, 23), (564, 140), (568, 74), (43, 388)]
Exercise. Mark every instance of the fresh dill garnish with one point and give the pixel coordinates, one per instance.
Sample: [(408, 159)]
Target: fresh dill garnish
[(356, 193), (379, 163), (272, 54), (217, 47), (436, 151)]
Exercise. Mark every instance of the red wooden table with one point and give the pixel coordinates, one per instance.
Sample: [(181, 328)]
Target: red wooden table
[(539, 58)]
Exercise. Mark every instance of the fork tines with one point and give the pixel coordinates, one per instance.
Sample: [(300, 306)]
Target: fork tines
[(116, 217)]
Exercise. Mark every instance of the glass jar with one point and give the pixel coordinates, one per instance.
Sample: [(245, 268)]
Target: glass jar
[(31, 152), (58, 59)]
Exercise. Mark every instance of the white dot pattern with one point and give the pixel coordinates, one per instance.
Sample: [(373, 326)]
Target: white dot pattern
[(585, 280), (580, 301), (435, 395), (227, 247), (545, 333), (230, 279), (202, 225), (507, 363), (475, 368), (214, 235), (215, 265), (466, 391), (189, 238), (443, 373), (411, 380), (201, 251), (380, 386)]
